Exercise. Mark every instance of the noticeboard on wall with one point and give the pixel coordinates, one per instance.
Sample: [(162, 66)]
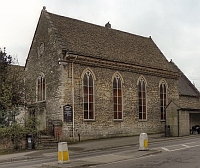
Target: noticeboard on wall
[(68, 113)]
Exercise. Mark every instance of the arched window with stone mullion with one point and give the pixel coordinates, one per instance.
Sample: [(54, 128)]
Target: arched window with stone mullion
[(117, 97), (88, 91)]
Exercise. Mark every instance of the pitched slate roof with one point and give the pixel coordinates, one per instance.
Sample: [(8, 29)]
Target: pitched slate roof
[(185, 87), (101, 42)]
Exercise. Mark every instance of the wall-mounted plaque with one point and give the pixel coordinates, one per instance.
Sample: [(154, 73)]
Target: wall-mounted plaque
[(68, 113)]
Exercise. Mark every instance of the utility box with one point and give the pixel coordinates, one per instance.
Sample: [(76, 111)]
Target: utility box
[(30, 141)]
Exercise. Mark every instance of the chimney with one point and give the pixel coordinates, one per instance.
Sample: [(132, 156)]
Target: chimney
[(108, 25)]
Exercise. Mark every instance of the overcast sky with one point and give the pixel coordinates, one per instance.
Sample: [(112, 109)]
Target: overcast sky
[(174, 25)]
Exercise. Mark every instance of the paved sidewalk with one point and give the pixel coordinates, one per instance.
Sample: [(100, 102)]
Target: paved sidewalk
[(91, 145)]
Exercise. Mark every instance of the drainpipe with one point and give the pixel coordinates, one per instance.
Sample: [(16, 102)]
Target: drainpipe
[(25, 110), (72, 83), (73, 96), (178, 123)]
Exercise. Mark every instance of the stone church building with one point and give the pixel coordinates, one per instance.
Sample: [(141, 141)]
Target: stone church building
[(89, 81)]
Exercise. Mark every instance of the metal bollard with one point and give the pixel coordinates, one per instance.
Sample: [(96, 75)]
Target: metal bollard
[(63, 154), (143, 141)]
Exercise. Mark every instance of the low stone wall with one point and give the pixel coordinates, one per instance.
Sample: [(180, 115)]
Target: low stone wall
[(6, 144)]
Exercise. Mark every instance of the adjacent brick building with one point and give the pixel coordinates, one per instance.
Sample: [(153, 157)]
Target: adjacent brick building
[(115, 83)]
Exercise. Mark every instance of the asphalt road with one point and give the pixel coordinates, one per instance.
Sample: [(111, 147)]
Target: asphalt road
[(175, 153), (184, 154)]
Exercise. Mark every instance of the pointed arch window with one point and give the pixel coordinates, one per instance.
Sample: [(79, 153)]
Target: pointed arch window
[(41, 88), (163, 100), (88, 91), (142, 100), (117, 97)]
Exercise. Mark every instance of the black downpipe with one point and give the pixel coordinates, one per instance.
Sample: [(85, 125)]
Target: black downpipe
[(178, 123)]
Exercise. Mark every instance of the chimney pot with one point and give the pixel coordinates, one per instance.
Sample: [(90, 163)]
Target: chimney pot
[(108, 25)]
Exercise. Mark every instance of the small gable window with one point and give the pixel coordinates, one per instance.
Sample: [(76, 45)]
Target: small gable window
[(41, 49), (41, 88), (142, 99), (88, 91), (117, 97), (163, 100)]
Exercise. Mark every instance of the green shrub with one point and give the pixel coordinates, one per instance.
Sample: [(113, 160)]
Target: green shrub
[(15, 133)]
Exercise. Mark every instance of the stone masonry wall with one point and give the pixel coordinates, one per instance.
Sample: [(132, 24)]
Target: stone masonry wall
[(172, 118), (189, 102), (184, 123), (104, 125), (47, 63)]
